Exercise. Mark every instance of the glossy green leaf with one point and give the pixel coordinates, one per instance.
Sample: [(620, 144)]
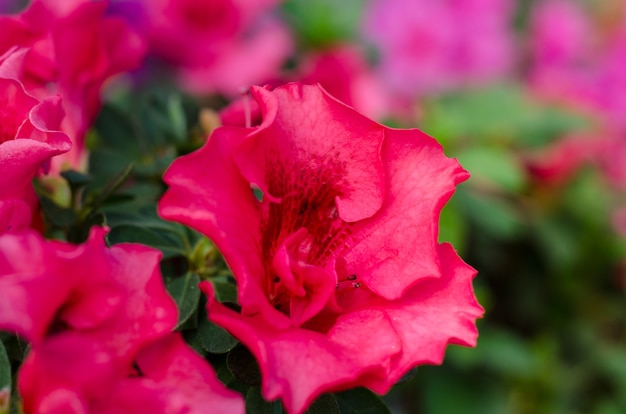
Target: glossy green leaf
[(186, 293)]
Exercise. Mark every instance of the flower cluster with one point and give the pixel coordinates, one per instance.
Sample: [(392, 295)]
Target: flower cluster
[(326, 221), (101, 340)]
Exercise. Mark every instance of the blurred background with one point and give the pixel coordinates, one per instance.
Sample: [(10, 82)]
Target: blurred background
[(529, 95)]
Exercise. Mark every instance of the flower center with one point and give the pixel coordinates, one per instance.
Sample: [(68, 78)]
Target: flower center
[(302, 234)]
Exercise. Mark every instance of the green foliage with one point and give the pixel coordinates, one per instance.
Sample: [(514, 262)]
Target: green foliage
[(215, 339), (186, 293), (360, 401), (5, 381), (323, 22)]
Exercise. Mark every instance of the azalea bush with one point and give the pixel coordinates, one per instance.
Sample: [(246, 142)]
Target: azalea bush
[(302, 206)]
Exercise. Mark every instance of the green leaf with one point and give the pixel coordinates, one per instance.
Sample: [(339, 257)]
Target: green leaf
[(186, 293), (452, 226), (361, 401), (176, 116), (495, 216), (116, 130), (79, 232), (147, 235), (5, 381), (493, 166), (76, 179), (326, 404), (215, 339), (243, 365), (58, 216), (324, 22), (225, 291), (255, 404)]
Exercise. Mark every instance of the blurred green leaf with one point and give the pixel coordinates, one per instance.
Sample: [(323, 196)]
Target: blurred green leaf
[(324, 22), (243, 366), (325, 404), (452, 226), (76, 179), (5, 381), (213, 338), (497, 114), (225, 291), (117, 130), (493, 215), (58, 216), (468, 394), (494, 166), (505, 353), (360, 401), (150, 236), (186, 294), (255, 404)]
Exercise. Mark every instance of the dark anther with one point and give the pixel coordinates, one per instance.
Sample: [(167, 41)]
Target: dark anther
[(356, 285), (137, 369), (276, 279), (352, 277)]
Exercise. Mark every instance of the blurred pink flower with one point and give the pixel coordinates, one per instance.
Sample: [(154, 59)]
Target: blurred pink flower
[(216, 45), (29, 137), (74, 50), (560, 161), (430, 46), (342, 245), (344, 73), (578, 60), (99, 321)]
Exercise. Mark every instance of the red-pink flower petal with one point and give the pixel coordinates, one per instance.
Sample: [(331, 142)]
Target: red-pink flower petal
[(29, 137), (68, 373), (173, 379), (313, 131), (400, 334), (100, 320), (401, 239)]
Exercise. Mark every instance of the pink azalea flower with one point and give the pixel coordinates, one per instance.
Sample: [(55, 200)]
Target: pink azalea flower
[(343, 72), (99, 321), (558, 162), (29, 138), (578, 60), (216, 45), (341, 251), (74, 50), (174, 379), (428, 46)]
